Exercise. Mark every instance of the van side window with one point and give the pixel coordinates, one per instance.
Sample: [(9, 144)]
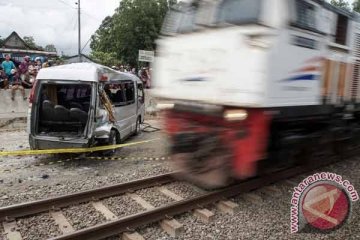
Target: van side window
[(141, 95), (130, 92), (115, 92), (121, 93), (305, 15)]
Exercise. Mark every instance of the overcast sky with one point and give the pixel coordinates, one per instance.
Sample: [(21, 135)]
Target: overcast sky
[(54, 21)]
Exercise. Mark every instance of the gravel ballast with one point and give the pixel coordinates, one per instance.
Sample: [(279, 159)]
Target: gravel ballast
[(122, 206), (183, 189), (269, 219), (83, 216), (38, 227), (154, 231), (154, 197)]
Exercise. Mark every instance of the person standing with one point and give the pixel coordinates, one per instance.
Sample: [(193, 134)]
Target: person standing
[(24, 68), (3, 78), (46, 63), (38, 64), (148, 73), (8, 65)]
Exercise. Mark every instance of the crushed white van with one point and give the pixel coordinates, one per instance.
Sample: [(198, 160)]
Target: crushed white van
[(84, 105)]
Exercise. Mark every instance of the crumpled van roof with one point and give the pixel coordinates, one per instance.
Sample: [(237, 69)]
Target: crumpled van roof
[(90, 72)]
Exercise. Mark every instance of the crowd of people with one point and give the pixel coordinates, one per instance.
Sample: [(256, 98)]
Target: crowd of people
[(144, 73), (19, 77)]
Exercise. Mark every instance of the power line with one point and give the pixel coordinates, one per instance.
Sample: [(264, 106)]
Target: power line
[(82, 10), (86, 44), (67, 4), (89, 15)]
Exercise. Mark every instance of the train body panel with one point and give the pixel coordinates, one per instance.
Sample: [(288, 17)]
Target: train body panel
[(258, 84), (202, 78)]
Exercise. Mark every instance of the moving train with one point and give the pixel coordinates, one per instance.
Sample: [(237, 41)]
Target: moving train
[(258, 85)]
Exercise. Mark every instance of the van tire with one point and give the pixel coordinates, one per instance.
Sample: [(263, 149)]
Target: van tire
[(137, 128), (112, 140)]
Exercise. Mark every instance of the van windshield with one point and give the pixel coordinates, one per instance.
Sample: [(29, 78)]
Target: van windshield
[(185, 17), (63, 107)]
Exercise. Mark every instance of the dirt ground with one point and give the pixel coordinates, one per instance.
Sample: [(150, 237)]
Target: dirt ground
[(34, 177)]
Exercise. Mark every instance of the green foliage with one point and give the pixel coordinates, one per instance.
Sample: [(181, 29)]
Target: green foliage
[(345, 5), (356, 6), (30, 41), (105, 58), (50, 48), (341, 4), (135, 25)]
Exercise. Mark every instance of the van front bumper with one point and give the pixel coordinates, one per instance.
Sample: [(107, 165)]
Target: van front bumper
[(43, 143)]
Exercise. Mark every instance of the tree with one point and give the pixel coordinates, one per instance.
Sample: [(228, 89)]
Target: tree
[(345, 5), (135, 25), (30, 41), (108, 59), (50, 48), (341, 4), (356, 6)]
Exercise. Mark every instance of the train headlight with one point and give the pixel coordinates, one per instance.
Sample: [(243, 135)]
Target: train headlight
[(165, 106), (235, 115)]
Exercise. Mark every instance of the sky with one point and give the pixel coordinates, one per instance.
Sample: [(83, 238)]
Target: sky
[(54, 21)]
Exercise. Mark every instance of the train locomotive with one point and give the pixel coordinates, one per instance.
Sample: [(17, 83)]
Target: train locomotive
[(258, 85)]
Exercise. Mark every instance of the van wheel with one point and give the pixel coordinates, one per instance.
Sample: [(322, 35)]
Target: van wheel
[(138, 127), (112, 140)]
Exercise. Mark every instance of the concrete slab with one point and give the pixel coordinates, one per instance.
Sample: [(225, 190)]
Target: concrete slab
[(18, 107)]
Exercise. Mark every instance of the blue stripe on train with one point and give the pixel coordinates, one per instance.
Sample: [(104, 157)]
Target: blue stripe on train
[(308, 77)]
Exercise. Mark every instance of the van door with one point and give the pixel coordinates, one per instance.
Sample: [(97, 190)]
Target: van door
[(122, 95)]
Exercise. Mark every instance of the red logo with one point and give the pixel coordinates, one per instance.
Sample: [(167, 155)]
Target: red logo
[(325, 207)]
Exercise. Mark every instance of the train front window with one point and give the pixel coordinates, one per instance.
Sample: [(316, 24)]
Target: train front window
[(185, 17), (239, 11), (180, 19), (305, 15)]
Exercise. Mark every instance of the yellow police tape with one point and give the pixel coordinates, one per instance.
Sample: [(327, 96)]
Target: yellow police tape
[(71, 150)]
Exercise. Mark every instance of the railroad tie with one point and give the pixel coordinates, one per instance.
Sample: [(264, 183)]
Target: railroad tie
[(100, 207), (132, 236), (203, 214), (252, 198), (291, 183), (11, 232), (62, 222), (171, 227), (271, 191), (228, 207), (142, 202)]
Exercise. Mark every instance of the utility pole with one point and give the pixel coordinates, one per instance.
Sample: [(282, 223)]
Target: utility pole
[(79, 29)]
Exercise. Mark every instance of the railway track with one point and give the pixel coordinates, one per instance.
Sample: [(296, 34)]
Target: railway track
[(117, 225)]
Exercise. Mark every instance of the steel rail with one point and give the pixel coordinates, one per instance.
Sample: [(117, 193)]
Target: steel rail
[(132, 222), (34, 207)]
